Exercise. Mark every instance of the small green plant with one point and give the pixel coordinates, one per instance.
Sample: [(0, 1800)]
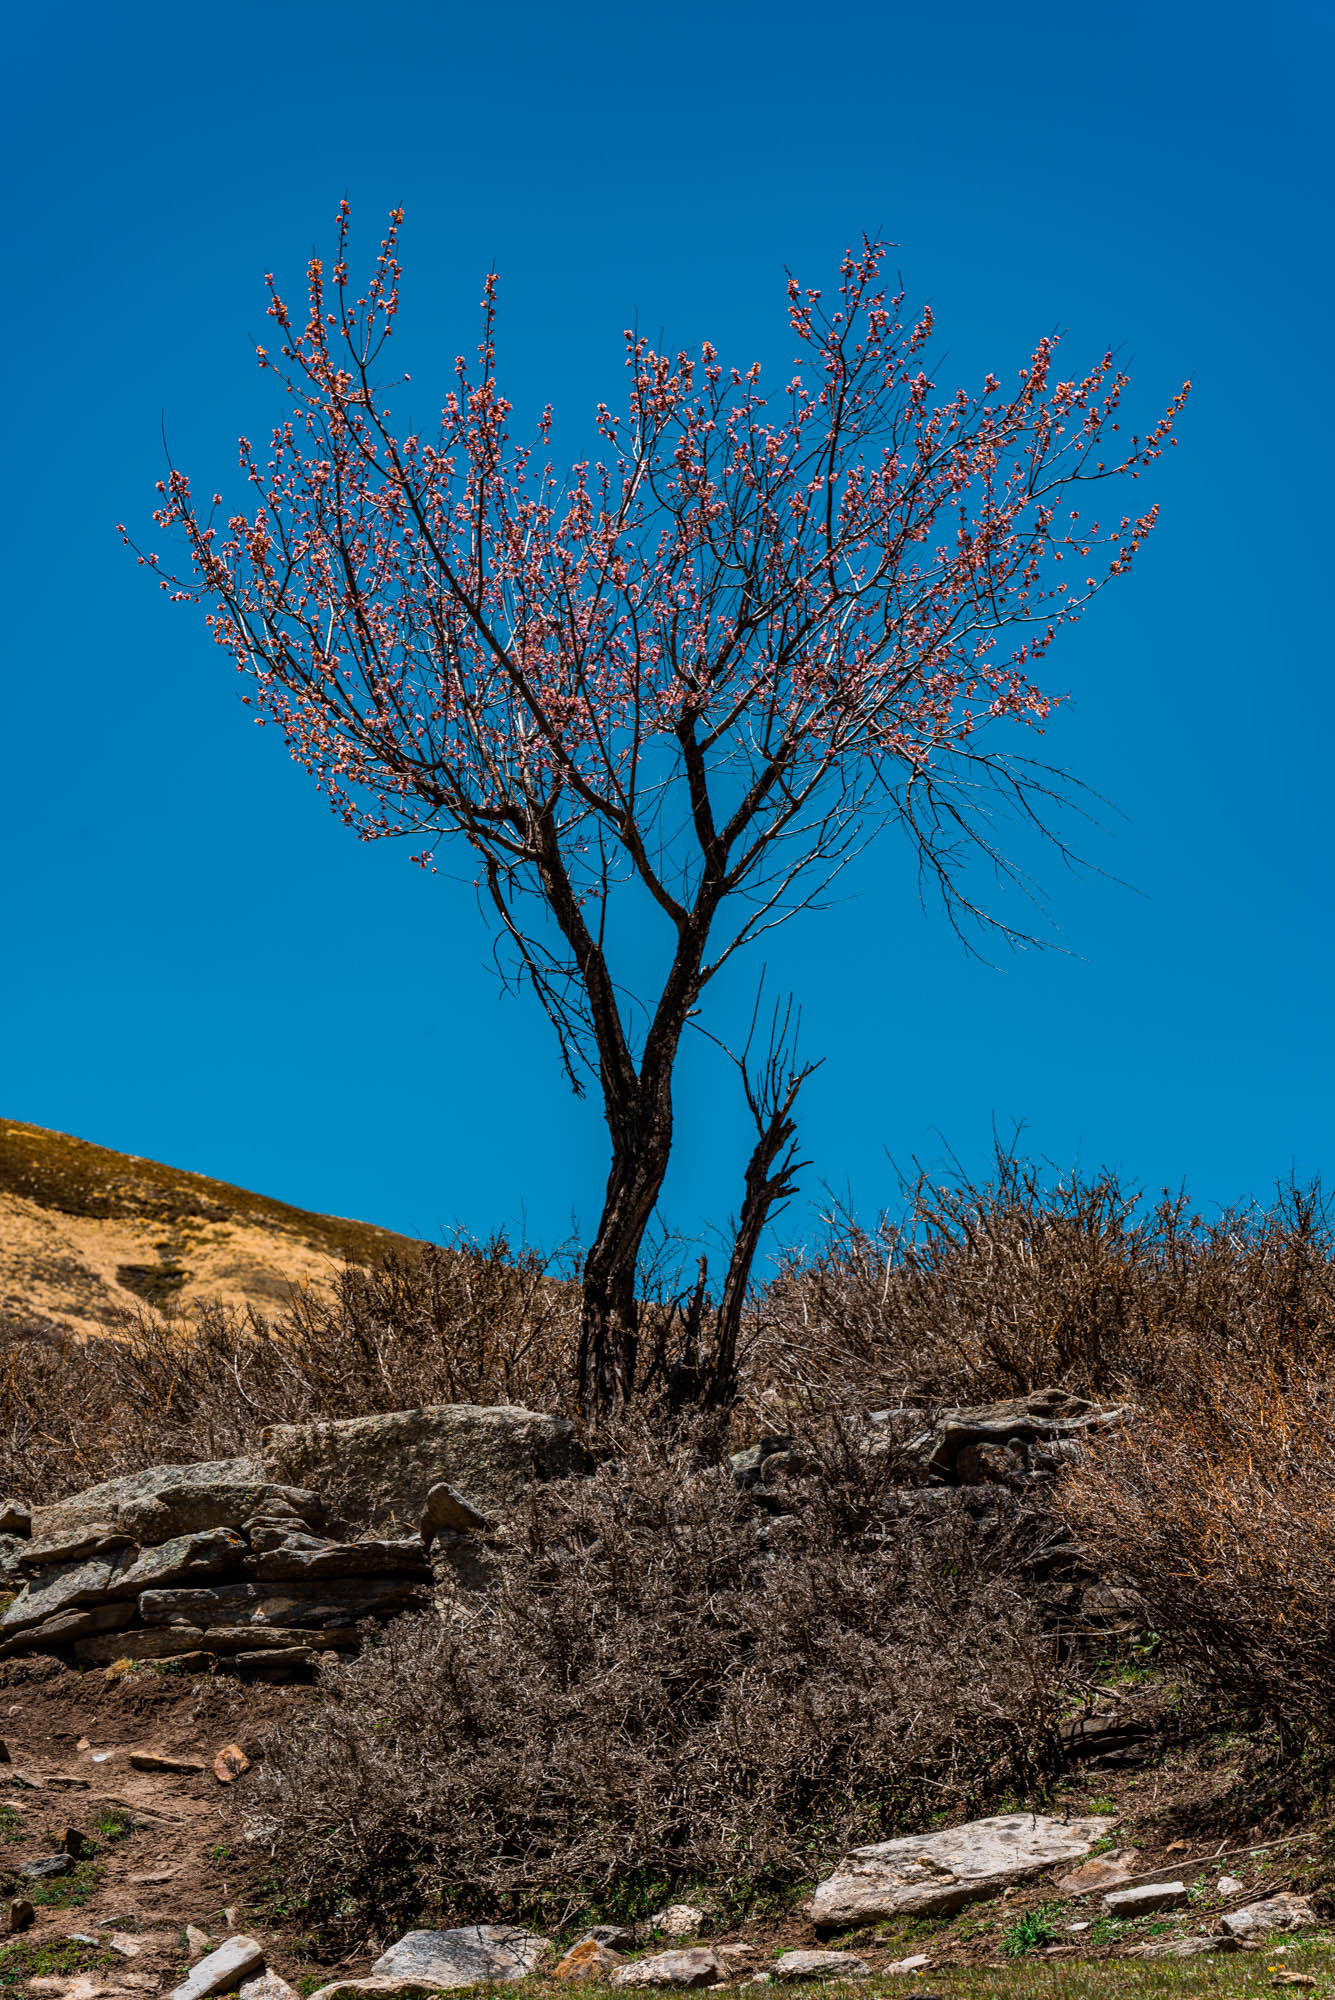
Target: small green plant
[(114, 1826), (63, 1892), (1033, 1930), (221, 1853), (11, 1824)]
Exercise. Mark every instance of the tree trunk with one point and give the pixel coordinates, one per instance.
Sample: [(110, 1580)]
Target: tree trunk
[(609, 1318)]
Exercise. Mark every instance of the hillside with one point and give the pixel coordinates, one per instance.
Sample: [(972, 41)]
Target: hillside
[(88, 1234)]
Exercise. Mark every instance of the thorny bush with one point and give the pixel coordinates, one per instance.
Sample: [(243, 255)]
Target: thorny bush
[(665, 1683)]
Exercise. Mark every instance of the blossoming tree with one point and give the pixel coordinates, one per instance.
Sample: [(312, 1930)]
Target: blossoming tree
[(693, 670)]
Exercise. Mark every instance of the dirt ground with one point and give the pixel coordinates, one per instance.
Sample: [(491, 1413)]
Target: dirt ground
[(164, 1849)]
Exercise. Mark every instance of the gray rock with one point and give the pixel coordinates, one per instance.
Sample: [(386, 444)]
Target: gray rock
[(1145, 1899), (1046, 1419), (16, 1915), (1285, 1912), (619, 1937), (1101, 1871), (67, 1628), (237, 1958), (97, 1538), (277, 1663), (47, 1867), (15, 1517), (746, 1466), (387, 1464), (443, 1509), (402, 1987), (197, 1941), (477, 1954), (170, 1500), (266, 1986), (67, 1588), (310, 1558), (137, 1644), (820, 1965), (308, 1606), (933, 1873), (1229, 1885), (184, 1559), (695, 1966)]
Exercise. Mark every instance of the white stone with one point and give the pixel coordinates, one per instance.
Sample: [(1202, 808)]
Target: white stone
[(692, 1967), (820, 1965), (237, 1958), (933, 1873), (471, 1956), (678, 1920), (915, 1963), (1145, 1899), (266, 1986), (1229, 1885), (1274, 1913)]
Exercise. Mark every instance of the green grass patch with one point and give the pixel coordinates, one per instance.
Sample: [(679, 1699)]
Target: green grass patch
[(64, 1892), (58, 1958)]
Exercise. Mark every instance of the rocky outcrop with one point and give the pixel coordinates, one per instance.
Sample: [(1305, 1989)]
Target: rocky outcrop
[(932, 1874), (384, 1467), (478, 1954), (170, 1500)]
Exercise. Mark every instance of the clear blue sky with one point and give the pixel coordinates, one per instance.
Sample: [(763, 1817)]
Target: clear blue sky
[(202, 966)]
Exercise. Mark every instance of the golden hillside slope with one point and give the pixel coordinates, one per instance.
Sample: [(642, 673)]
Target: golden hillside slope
[(87, 1235)]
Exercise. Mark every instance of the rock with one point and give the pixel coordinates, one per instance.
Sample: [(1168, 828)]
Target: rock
[(820, 1965), (47, 1867), (402, 1988), (126, 1947), (153, 1878), (476, 1955), (95, 1538), (1292, 1979), (1285, 1912), (1101, 1871), (76, 1844), (1229, 1885), (277, 1663), (176, 1767), (957, 1445), (747, 1466), (588, 1960), (619, 1936), (183, 1560), (678, 1920), (933, 1873), (230, 1764), (170, 1644), (914, 1963), (4, 1751), (16, 1915), (444, 1508), (197, 1941), (388, 1464), (236, 1959), (304, 1556), (692, 1967), (1145, 1899), (65, 1588), (70, 1628), (266, 1985), (307, 1606), (63, 1781), (15, 1518), (171, 1500)]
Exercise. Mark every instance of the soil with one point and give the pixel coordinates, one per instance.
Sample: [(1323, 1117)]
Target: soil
[(166, 1849)]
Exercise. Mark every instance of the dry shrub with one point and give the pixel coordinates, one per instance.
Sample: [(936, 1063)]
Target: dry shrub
[(991, 1291), (475, 1323), (664, 1684), (1216, 1512)]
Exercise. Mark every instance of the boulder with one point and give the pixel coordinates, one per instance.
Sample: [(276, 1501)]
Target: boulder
[(96, 1538), (479, 1954), (820, 1965), (1285, 1912), (960, 1445), (386, 1465), (184, 1559), (1146, 1899), (16, 1915), (15, 1517), (237, 1958), (693, 1967), (170, 1500), (933, 1873)]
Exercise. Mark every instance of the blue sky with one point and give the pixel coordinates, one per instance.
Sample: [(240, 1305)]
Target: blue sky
[(202, 966)]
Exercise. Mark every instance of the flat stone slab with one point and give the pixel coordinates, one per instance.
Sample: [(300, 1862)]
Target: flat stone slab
[(475, 1955), (67, 1587), (170, 1500), (934, 1873), (820, 1965), (300, 1604), (304, 1556), (236, 1959), (695, 1966), (1145, 1899)]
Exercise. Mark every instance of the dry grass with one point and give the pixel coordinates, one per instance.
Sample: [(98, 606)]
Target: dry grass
[(666, 1684)]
